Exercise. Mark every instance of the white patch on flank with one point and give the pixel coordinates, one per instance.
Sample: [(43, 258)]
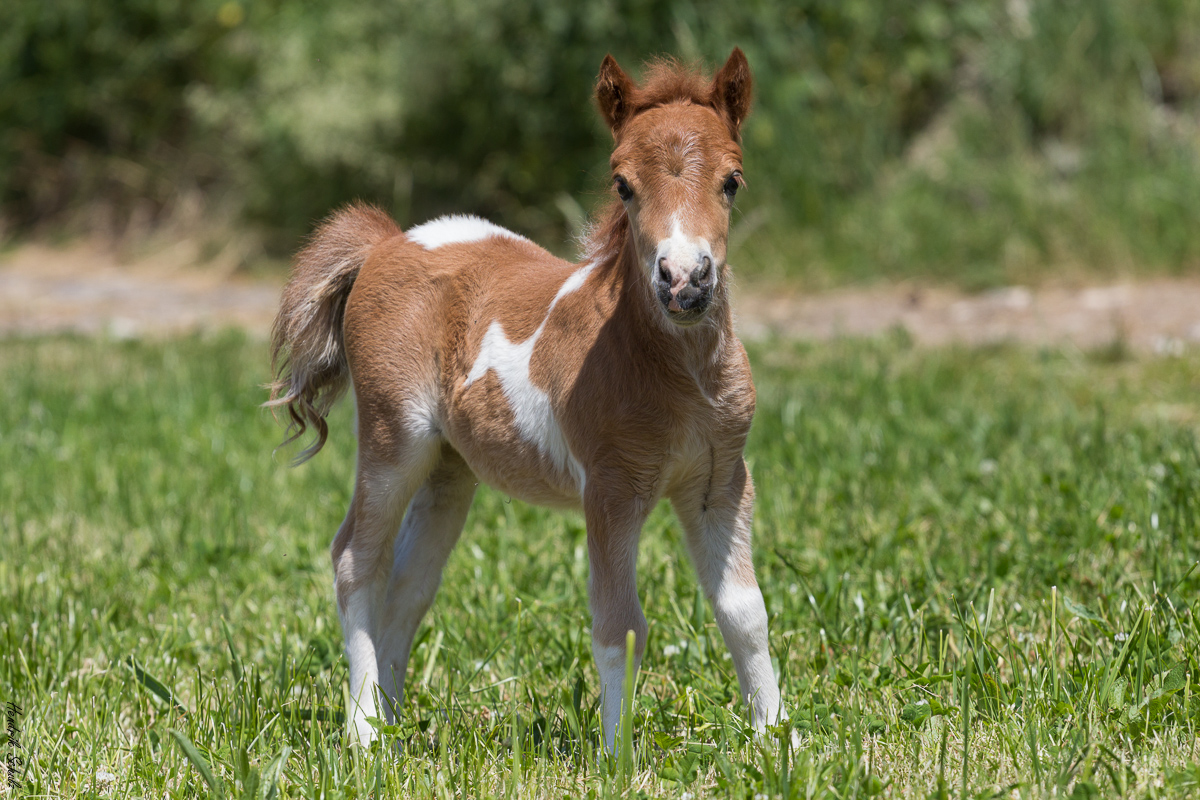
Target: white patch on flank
[(610, 663), (530, 405), (457, 229), (685, 252)]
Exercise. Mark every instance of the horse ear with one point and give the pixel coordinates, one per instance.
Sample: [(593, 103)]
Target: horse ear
[(732, 87), (614, 92)]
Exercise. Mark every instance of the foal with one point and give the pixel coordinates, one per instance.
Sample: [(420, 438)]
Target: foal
[(607, 385)]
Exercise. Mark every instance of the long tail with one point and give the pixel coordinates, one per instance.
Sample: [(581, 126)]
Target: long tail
[(308, 358)]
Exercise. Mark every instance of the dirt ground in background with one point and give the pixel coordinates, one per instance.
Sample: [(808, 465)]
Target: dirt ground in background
[(86, 288), (1159, 316)]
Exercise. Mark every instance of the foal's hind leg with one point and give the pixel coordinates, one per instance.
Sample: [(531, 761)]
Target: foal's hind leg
[(362, 553), (431, 529), (716, 515)]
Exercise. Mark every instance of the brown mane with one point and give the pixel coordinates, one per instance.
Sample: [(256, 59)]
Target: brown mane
[(602, 238), (668, 80)]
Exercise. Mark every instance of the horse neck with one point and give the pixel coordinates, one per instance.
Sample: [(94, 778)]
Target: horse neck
[(701, 348)]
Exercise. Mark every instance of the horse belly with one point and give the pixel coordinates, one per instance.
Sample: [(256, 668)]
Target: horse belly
[(513, 443)]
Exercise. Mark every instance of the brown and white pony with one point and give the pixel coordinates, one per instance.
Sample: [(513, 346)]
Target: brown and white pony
[(607, 385)]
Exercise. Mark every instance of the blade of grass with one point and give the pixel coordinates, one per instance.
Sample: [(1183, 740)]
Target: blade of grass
[(155, 686), (215, 784)]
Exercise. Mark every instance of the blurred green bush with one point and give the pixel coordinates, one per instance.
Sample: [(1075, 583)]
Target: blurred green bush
[(978, 141)]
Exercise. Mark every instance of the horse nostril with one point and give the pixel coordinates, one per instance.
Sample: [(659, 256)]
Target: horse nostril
[(703, 272), (664, 274)]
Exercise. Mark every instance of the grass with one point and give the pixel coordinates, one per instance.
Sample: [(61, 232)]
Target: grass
[(979, 566)]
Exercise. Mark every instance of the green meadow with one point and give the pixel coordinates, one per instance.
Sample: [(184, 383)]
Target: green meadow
[(980, 568)]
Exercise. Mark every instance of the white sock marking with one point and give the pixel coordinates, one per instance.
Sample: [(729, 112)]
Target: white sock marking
[(742, 617), (364, 675), (610, 663)]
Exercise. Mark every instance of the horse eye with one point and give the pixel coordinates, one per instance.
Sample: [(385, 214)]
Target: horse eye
[(731, 185), (623, 190)]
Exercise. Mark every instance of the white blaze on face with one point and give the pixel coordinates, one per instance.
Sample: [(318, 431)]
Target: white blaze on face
[(530, 405), (683, 255)]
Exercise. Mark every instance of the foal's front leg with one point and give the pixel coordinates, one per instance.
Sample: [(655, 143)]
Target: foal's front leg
[(614, 526), (716, 514)]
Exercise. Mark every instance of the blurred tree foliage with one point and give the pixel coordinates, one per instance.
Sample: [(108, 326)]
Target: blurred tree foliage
[(977, 138)]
